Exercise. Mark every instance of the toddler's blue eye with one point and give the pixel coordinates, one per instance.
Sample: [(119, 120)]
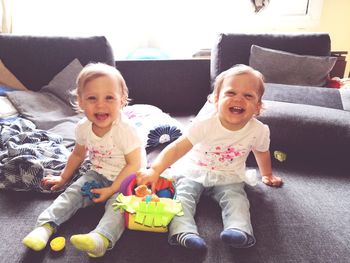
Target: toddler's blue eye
[(91, 98), (109, 98)]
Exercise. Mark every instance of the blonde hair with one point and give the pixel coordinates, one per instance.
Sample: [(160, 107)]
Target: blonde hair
[(93, 71), (236, 70)]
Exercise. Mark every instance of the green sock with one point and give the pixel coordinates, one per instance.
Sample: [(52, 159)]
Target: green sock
[(37, 239), (94, 244)]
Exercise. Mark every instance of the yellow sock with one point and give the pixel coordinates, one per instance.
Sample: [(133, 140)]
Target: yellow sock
[(94, 244), (37, 239)]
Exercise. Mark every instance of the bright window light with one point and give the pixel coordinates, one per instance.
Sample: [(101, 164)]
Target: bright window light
[(177, 28)]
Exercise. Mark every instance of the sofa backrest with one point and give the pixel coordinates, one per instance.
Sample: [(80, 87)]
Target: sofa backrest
[(179, 87), (234, 48), (35, 60)]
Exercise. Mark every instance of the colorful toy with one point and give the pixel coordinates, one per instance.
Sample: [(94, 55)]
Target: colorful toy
[(86, 189), (150, 198), (58, 243), (335, 83), (280, 156), (142, 190), (150, 212)]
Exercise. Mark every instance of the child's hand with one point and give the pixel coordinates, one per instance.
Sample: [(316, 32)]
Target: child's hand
[(147, 176), (272, 180), (55, 182), (103, 194)]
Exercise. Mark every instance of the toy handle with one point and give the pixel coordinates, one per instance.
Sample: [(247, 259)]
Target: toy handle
[(126, 182)]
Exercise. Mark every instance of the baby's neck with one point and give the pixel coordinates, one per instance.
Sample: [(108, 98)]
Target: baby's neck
[(100, 132)]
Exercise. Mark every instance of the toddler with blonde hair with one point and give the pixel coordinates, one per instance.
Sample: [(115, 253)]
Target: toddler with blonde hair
[(214, 149), (115, 151)]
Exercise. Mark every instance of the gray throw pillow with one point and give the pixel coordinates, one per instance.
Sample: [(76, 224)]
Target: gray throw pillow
[(62, 84), (288, 68)]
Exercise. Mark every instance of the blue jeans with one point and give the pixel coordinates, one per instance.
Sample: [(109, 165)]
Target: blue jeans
[(112, 223), (232, 199)]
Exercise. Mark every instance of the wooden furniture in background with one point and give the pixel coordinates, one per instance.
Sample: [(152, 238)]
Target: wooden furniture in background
[(339, 67)]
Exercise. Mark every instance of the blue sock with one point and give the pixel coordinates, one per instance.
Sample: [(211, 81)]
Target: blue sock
[(191, 241), (234, 237)]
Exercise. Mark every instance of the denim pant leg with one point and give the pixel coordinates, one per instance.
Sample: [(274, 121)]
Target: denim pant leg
[(67, 203), (235, 205), (112, 224), (188, 192)]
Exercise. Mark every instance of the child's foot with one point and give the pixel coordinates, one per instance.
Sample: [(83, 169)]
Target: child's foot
[(37, 239), (94, 244), (234, 237), (191, 241)]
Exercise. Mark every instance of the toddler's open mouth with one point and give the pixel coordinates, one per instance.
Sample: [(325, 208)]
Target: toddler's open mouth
[(236, 109), (101, 116)]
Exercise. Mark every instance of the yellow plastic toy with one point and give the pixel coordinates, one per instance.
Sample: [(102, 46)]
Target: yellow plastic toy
[(58, 243), (280, 156)]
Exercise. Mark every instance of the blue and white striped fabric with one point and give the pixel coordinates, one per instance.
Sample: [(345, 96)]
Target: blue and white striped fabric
[(27, 154)]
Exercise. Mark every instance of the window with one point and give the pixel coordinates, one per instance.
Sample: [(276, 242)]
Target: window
[(296, 13), (178, 28)]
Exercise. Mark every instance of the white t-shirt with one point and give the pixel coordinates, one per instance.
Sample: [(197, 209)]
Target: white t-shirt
[(219, 155), (107, 153)]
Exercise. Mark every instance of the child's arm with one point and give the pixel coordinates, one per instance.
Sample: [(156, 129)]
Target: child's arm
[(165, 159), (74, 161), (133, 163), (264, 162)]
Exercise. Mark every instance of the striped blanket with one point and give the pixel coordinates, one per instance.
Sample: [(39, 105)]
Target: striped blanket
[(27, 154)]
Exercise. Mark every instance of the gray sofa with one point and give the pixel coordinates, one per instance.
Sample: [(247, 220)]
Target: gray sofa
[(307, 122), (307, 220)]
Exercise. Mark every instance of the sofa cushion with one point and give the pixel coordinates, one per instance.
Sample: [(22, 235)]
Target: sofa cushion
[(51, 108), (345, 98), (64, 82), (8, 79), (289, 68), (47, 112), (317, 96)]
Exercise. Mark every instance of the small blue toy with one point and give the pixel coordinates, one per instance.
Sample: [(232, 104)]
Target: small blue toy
[(86, 189), (166, 193)]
